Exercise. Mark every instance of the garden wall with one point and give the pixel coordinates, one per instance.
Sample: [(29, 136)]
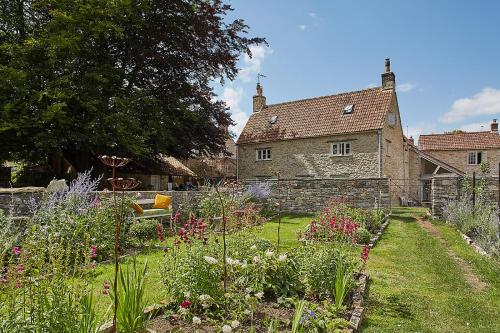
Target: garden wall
[(16, 200), (310, 195), (295, 195), (445, 188)]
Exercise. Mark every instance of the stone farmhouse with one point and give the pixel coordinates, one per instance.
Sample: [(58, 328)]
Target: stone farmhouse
[(356, 135), (465, 150)]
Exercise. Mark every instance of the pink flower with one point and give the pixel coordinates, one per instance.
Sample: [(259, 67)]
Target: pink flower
[(185, 304), (96, 202), (16, 250), (365, 252), (160, 232), (4, 279), (106, 287), (93, 251), (18, 284), (20, 268)]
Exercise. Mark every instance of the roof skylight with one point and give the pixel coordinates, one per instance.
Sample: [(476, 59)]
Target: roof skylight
[(273, 120), (349, 109)]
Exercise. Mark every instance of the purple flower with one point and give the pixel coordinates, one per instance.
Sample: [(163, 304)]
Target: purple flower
[(16, 250), (96, 202)]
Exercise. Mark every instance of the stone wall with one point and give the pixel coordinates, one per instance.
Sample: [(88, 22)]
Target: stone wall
[(312, 158), (310, 195), (295, 195), (16, 201), (448, 188)]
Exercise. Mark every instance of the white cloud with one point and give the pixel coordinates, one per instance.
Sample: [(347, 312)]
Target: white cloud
[(312, 14), (417, 130), (232, 96), (302, 27), (253, 65), (485, 102), (405, 87), (475, 127)]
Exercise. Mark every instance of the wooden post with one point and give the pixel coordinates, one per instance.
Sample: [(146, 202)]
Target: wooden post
[(473, 193), (498, 190)]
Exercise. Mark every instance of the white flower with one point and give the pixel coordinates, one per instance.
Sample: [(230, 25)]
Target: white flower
[(269, 253), (282, 257), (259, 295), (196, 320), (235, 324), (226, 329), (210, 260), (248, 290), (204, 298), (232, 262), (253, 247), (205, 305), (187, 294), (256, 259), (183, 310), (247, 312)]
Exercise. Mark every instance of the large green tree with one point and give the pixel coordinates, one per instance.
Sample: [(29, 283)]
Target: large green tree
[(132, 77)]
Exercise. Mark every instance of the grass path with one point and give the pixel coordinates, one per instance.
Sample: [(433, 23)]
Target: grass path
[(420, 281)]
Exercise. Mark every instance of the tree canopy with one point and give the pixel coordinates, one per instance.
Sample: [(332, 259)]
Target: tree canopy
[(132, 77)]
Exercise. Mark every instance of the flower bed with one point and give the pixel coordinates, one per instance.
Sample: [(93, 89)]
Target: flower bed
[(340, 223)]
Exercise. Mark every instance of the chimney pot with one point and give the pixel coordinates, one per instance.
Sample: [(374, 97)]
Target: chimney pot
[(259, 100), (388, 78), (494, 126)]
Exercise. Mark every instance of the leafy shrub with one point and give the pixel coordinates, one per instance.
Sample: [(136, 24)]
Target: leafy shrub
[(144, 230), (130, 313), (318, 268), (363, 236)]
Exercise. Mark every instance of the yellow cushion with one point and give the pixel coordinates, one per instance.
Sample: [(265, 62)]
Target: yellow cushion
[(138, 209), (162, 201)]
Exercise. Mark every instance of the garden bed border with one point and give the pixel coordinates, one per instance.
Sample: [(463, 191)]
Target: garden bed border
[(472, 243)]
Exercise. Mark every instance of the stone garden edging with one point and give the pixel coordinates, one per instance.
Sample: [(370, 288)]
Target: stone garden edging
[(379, 233), (472, 243)]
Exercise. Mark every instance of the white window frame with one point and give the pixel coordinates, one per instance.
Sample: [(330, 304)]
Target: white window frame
[(472, 157), (341, 148), (263, 154)]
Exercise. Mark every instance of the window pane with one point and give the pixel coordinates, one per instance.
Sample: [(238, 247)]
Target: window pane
[(472, 157), (479, 158), (259, 154), (347, 148), (334, 149), (342, 149), (269, 154)]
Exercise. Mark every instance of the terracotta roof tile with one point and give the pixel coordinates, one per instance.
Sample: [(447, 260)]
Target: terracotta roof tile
[(457, 141), (319, 116)]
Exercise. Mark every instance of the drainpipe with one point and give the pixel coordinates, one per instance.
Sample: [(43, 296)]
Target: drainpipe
[(379, 135)]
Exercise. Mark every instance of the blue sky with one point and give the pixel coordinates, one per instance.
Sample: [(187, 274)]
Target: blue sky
[(445, 54)]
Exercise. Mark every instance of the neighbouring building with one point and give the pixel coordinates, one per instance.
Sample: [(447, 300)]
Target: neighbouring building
[(348, 135), (465, 150), (221, 166)]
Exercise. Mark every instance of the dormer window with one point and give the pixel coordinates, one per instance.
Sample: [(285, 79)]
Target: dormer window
[(349, 109)]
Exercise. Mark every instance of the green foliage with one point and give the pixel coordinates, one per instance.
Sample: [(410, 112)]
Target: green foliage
[(82, 78), (318, 265), (131, 301), (363, 236), (343, 280), (144, 230)]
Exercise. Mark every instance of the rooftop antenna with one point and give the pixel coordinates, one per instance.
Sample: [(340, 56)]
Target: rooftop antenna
[(259, 76)]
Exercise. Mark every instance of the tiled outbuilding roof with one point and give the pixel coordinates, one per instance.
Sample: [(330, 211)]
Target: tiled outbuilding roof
[(460, 140), (319, 116)]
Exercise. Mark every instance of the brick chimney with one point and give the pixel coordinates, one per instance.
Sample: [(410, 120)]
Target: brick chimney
[(494, 126), (259, 100), (388, 78)]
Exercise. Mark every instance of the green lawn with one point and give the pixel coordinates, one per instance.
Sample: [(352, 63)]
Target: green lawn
[(290, 223), (417, 287)]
